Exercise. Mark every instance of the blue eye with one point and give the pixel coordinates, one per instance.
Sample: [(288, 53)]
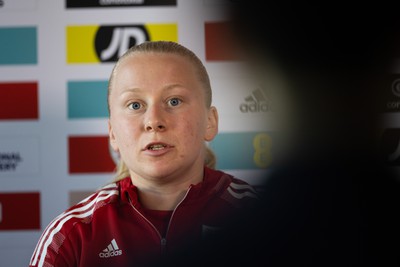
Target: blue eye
[(135, 105), (174, 101)]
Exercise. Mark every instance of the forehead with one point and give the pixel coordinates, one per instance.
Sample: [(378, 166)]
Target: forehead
[(156, 60), (151, 70), (155, 69)]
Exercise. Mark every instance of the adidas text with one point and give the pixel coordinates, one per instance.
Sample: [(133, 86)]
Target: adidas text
[(255, 107), (112, 250), (110, 254)]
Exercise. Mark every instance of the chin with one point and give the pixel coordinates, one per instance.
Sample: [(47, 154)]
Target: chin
[(159, 172)]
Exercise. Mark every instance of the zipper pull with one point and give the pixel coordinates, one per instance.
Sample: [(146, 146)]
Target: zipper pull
[(163, 245)]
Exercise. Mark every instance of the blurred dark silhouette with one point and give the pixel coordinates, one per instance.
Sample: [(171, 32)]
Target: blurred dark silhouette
[(330, 200)]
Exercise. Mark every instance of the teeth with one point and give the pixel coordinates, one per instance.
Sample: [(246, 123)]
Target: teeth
[(156, 147)]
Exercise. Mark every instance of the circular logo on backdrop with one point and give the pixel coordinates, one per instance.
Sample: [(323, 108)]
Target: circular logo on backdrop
[(396, 87)]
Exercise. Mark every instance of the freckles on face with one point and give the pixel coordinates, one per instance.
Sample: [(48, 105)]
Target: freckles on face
[(193, 130), (157, 89)]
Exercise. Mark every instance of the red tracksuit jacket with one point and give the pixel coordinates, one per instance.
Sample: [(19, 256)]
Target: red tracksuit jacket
[(108, 228)]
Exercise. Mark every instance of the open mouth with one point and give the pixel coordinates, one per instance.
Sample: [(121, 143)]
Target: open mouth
[(156, 147)]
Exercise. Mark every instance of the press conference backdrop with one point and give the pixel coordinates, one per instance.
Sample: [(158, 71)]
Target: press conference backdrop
[(55, 60)]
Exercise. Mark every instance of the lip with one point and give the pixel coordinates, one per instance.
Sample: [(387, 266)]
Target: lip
[(157, 148)]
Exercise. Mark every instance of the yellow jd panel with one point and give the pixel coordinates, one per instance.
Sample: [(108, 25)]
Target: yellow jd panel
[(81, 40), (158, 32), (80, 44)]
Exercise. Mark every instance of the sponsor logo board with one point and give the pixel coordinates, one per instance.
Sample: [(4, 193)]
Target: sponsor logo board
[(106, 43)]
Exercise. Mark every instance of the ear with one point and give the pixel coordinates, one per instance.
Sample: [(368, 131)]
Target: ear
[(212, 124), (111, 137)]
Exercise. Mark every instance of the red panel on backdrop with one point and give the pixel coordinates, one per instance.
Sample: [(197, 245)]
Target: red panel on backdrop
[(90, 154), (220, 42), (19, 100), (20, 211)]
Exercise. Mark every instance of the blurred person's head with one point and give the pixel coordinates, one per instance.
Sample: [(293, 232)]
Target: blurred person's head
[(332, 58)]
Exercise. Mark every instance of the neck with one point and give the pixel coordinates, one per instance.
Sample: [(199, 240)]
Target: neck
[(163, 196), (156, 200)]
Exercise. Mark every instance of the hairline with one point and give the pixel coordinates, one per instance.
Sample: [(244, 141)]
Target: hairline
[(171, 48)]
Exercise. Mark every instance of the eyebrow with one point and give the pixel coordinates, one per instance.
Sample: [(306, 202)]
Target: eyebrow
[(168, 87)]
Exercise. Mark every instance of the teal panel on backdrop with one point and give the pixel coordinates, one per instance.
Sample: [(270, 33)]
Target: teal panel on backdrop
[(87, 99), (18, 45), (249, 150)]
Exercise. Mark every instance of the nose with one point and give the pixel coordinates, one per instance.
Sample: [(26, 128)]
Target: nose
[(154, 126), (155, 120)]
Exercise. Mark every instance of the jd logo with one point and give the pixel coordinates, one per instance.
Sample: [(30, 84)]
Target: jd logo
[(112, 41)]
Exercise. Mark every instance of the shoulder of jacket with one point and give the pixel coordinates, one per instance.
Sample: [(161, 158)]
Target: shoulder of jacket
[(84, 210), (239, 192), (54, 235), (103, 196)]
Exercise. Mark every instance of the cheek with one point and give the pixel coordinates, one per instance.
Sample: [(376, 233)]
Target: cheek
[(193, 128), (125, 134)]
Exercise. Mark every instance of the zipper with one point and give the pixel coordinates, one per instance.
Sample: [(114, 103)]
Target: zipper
[(163, 240), (141, 215), (173, 212), (163, 246)]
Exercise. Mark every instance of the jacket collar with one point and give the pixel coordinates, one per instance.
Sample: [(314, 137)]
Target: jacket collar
[(214, 181)]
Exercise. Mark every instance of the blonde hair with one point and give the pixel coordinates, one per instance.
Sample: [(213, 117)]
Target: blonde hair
[(167, 47), (210, 159)]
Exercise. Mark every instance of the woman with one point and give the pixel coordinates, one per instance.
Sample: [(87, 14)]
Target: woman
[(168, 201)]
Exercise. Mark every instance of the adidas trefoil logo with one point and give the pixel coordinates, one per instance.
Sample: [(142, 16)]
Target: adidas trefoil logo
[(257, 101), (111, 250)]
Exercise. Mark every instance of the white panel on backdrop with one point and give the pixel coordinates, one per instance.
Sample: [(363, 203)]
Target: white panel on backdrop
[(9, 5), (19, 156)]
